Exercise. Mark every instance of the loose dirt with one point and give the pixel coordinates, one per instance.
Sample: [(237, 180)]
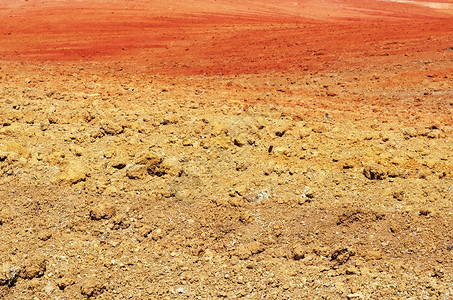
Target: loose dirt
[(226, 149)]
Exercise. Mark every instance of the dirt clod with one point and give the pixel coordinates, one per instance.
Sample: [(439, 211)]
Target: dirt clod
[(298, 252), (9, 274), (91, 287), (34, 267), (375, 172), (103, 210), (110, 127)]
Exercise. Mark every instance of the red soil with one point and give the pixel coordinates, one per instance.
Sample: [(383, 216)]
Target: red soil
[(226, 37)]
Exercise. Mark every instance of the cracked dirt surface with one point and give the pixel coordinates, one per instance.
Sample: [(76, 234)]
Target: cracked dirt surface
[(217, 151)]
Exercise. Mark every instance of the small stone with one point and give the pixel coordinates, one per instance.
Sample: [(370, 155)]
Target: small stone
[(187, 142), (152, 162), (157, 234), (103, 211), (34, 268), (375, 172), (308, 193), (76, 150), (170, 119), (97, 133), (341, 255), (209, 254), (8, 157), (409, 132), (145, 230), (92, 287), (246, 218), (283, 151), (304, 132), (53, 119), (348, 165), (223, 142), (137, 172), (440, 273), (372, 255), (56, 158), (110, 127), (15, 130), (64, 282), (319, 128), (434, 134), (430, 163), (322, 251), (423, 151), (352, 270), (171, 166), (240, 140), (49, 289), (9, 274), (398, 195), (395, 172), (298, 252), (44, 235), (111, 191), (72, 174), (149, 159), (424, 212), (119, 160), (121, 221), (255, 247), (368, 137), (243, 252), (218, 129)]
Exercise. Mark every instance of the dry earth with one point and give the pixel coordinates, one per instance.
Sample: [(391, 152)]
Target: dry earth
[(226, 149)]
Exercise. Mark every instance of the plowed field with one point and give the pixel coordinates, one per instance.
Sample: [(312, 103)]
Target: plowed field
[(226, 149)]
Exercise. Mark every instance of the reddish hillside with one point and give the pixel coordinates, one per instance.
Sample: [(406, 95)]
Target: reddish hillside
[(221, 37)]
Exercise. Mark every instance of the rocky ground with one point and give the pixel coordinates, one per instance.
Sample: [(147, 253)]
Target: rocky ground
[(328, 182)]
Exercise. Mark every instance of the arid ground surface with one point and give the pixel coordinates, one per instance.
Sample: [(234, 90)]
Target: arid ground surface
[(226, 149)]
